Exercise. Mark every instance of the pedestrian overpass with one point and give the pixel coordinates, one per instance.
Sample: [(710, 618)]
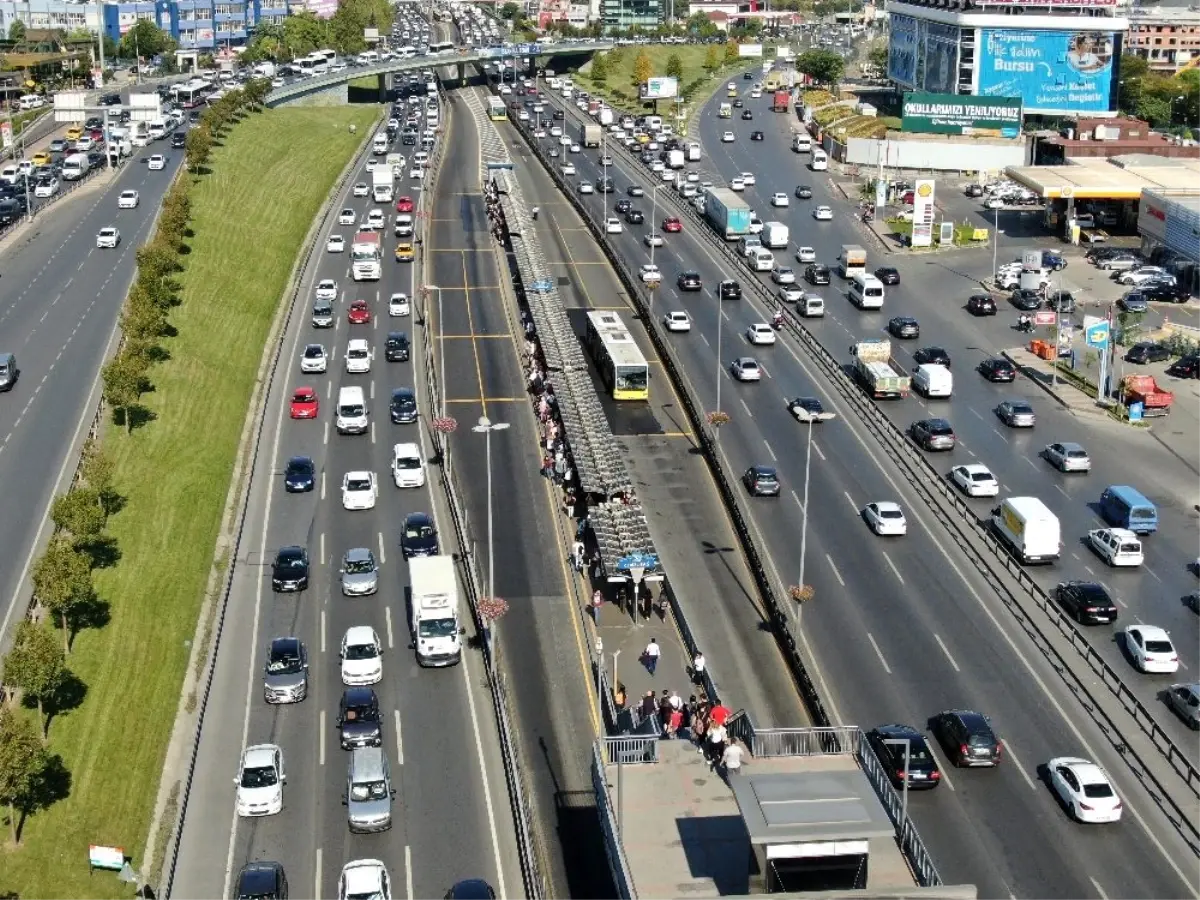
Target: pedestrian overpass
[(337, 83)]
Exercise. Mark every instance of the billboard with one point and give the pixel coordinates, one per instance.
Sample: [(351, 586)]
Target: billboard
[(962, 114), (660, 88), (322, 9), (922, 224), (1050, 71), (902, 51), (750, 50)]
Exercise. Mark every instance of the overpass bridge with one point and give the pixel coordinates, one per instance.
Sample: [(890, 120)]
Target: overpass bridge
[(333, 85)]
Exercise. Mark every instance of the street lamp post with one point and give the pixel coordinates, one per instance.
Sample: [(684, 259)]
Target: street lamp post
[(804, 511), (720, 329), (485, 427), (441, 352), (995, 241), (907, 760)]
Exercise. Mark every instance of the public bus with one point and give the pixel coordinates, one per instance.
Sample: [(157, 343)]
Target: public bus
[(441, 47), (192, 93), (621, 364), (497, 111)]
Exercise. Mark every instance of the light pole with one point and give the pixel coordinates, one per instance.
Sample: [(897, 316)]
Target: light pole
[(441, 352), (822, 417), (904, 790), (995, 241), (720, 329), (485, 427)]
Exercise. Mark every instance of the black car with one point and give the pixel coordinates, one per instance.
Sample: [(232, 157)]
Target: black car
[(756, 135), (110, 100), (635, 217), (1171, 293), (901, 746), (300, 475), (403, 406), (904, 327), (358, 718), (747, 115), (10, 211), (738, 103), (968, 738), (289, 572), (689, 281), (397, 349), (1086, 602), (748, 76), (932, 356), (887, 275), (471, 889), (1147, 352), (623, 206), (817, 274), (804, 192), (605, 186), (559, 115), (418, 535), (95, 158), (730, 290), (981, 305), (973, 190), (1061, 302), (1026, 300), (259, 880), (933, 434), (761, 481), (997, 370), (179, 140), (1186, 367)]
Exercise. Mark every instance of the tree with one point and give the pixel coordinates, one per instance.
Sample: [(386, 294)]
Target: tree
[(143, 40), (643, 69), (156, 260), (256, 92), (96, 471), (123, 377), (675, 67), (878, 57), (37, 665), (16, 31), (509, 11), (79, 512), (302, 33), (198, 147), (62, 582), (731, 52), (822, 66), (23, 760), (600, 69), (712, 59), (143, 322)]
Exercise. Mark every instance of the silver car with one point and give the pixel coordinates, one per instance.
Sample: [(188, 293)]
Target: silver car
[(1067, 456), (285, 679), (1185, 700), (1016, 414), (360, 574)]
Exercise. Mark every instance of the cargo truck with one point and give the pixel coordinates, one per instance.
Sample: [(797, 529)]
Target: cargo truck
[(693, 151), (395, 163), (675, 159), (434, 611), (381, 184), (878, 372), (1026, 527), (853, 261), (728, 213), (589, 135), (366, 256), (775, 235), (1144, 389), (780, 101)]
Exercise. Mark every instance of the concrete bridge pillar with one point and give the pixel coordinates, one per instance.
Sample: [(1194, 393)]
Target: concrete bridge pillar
[(383, 88), (462, 74)]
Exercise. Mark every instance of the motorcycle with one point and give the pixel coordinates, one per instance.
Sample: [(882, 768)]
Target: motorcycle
[(777, 321)]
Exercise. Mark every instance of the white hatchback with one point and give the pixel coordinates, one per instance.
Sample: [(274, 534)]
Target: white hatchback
[(362, 656), (128, 200), (408, 467), (885, 518), (359, 490), (398, 305), (314, 360), (335, 244), (259, 781), (779, 199), (727, 137), (358, 356), (327, 289), (361, 189)]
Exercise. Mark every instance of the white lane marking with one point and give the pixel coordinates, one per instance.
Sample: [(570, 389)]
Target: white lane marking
[(846, 494), (321, 739), (325, 439), (745, 407), (941, 768), (892, 565), (408, 878), (382, 551), (1058, 487), (946, 652), (322, 631), (399, 738), (796, 497), (817, 448), (387, 615), (999, 435), (1099, 890), (1032, 464), (769, 450), (372, 388), (879, 653), (372, 432), (836, 573), (317, 874), (321, 550), (1008, 748)]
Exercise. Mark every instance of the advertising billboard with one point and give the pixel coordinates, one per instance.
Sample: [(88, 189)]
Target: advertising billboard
[(1051, 72), (923, 210), (750, 50), (961, 114), (660, 88), (902, 51)]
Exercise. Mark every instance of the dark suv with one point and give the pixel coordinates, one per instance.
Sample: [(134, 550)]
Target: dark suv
[(730, 290), (1086, 602), (398, 348), (261, 881), (404, 406), (893, 743), (689, 281), (968, 738), (179, 140), (816, 274)]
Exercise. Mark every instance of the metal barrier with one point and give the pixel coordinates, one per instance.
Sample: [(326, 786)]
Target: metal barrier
[(836, 739), (909, 841), (618, 865), (628, 749)]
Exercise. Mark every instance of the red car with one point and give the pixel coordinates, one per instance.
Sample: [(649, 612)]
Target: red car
[(404, 204), (305, 404), (360, 313), (672, 225)]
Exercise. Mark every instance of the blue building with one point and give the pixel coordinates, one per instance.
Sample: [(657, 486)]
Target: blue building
[(197, 24)]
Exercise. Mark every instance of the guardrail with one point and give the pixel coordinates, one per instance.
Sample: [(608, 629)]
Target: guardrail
[(618, 865), (628, 749), (38, 206), (834, 739)]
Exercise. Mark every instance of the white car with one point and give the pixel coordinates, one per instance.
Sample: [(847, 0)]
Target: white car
[(362, 656), (606, 160), (780, 199), (156, 162), (327, 289), (748, 178), (364, 879), (555, 131), (46, 188), (314, 360), (727, 137), (783, 275), (1151, 649), (260, 781), (358, 356), (370, 166), (1116, 546), (361, 189), (993, 203), (693, 177), (736, 184), (565, 141), (1067, 456), (359, 490), (745, 369), (574, 148), (975, 480), (408, 466), (613, 225), (568, 168), (653, 240), (416, 173), (806, 255), (885, 518), (586, 187), (376, 220), (335, 244), (790, 293), (128, 200), (107, 238), (677, 321), (650, 273), (658, 166), (1085, 790), (398, 305), (823, 214), (1145, 274), (760, 334), (347, 217)]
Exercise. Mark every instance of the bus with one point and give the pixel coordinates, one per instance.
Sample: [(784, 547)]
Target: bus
[(192, 93), (617, 356), (441, 47), (496, 110)]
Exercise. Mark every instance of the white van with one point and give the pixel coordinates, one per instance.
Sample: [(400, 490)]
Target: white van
[(801, 142), (352, 417), (1027, 527), (820, 161), (931, 380), (157, 130), (811, 306), (75, 166), (760, 259), (379, 146), (865, 291), (10, 174)]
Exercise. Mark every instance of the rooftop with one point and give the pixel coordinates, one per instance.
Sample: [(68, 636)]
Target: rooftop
[(1118, 177)]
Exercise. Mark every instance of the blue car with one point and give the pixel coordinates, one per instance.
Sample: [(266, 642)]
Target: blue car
[(300, 475)]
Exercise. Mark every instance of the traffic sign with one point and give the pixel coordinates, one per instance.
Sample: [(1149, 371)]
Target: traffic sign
[(1045, 317), (642, 560), (1097, 335)]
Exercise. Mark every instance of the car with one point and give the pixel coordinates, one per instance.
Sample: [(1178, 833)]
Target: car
[(46, 187), (729, 290), (586, 187), (1147, 352), (359, 490), (975, 480), (817, 274), (361, 656), (728, 137), (1184, 699), (107, 238), (808, 410), (128, 200), (997, 370), (806, 255), (568, 168), (364, 879), (677, 321), (803, 192), (360, 723), (359, 572), (737, 184), (259, 781), (1162, 291), (289, 572), (1134, 302), (904, 327), (745, 368), (347, 217), (299, 475), (888, 275), (1087, 602), (902, 749), (285, 678), (934, 356), (747, 115), (359, 313), (156, 163), (933, 434), (375, 220), (790, 293), (760, 333), (418, 535), (1061, 302), (314, 359), (1143, 274), (650, 274), (358, 356), (574, 148), (327, 289), (178, 140), (42, 158), (672, 225), (403, 406), (689, 281), (783, 275), (361, 189), (780, 199), (263, 879), (1016, 413), (1084, 789), (399, 306), (1185, 367), (612, 225), (304, 403), (651, 239), (885, 518), (408, 466), (635, 217), (635, 190), (1116, 546), (1151, 649), (1067, 456), (823, 214), (756, 136), (405, 204), (968, 738), (761, 481), (335, 244), (623, 206), (981, 305), (416, 173), (1117, 261), (1026, 300)]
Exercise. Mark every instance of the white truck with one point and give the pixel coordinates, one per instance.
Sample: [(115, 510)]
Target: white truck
[(693, 151), (75, 166), (1026, 526), (605, 116), (434, 624), (775, 235), (381, 184), (395, 163), (675, 159), (366, 256)]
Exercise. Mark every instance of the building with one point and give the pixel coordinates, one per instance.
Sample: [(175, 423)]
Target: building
[(50, 14), (196, 24), (1169, 225), (1096, 138), (620, 14), (1060, 57), (1165, 34)]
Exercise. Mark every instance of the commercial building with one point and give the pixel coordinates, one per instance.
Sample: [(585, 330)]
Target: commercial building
[(615, 14), (1058, 57), (1169, 225), (196, 24), (1119, 136), (50, 14), (1165, 34)]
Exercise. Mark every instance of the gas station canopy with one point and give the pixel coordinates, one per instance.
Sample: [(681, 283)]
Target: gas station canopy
[(1115, 178)]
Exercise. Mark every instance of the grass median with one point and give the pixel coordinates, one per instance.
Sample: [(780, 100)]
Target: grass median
[(250, 217)]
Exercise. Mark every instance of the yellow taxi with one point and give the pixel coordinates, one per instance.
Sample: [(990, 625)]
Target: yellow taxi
[(74, 133), (404, 252), (41, 158), (641, 137)]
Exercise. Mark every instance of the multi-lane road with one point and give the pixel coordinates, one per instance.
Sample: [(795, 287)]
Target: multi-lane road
[(904, 629)]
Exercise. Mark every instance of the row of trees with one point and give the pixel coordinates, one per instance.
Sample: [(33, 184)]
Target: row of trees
[(1165, 101), (302, 33)]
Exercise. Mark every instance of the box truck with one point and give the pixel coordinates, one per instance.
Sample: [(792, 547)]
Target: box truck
[(877, 370), (775, 235), (1026, 526), (433, 607), (728, 213)]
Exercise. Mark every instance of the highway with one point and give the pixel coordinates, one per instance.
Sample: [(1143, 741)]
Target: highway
[(958, 648), (450, 812)]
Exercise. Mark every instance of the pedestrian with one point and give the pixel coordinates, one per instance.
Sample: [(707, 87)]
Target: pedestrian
[(698, 664), (650, 655), (547, 466), (597, 602), (716, 744), (675, 700), (619, 698), (731, 760), (577, 551), (674, 722), (647, 706)]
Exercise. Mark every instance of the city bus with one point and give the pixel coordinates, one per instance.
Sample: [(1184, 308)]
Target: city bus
[(620, 362), (193, 93), (441, 47), (497, 111)]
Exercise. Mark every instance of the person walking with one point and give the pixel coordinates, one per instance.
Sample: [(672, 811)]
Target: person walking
[(731, 760), (698, 664), (650, 655), (716, 744), (577, 552)]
